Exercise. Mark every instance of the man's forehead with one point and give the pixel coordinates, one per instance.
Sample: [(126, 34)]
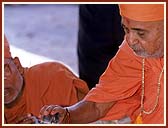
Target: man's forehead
[(128, 21), (139, 24)]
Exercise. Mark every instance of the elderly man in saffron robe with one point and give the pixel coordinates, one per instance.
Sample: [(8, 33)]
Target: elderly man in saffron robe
[(133, 84), (26, 90)]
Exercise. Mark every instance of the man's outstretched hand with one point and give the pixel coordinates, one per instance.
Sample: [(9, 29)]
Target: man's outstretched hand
[(53, 114), (26, 119)]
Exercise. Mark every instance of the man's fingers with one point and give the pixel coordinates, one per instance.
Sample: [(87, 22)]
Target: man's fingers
[(28, 121), (56, 113), (46, 110), (60, 111), (20, 119), (43, 109), (25, 119), (57, 109)]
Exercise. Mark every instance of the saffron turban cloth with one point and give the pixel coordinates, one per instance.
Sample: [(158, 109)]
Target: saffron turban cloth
[(142, 12), (7, 53)]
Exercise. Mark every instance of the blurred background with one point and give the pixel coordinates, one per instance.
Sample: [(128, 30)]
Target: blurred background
[(42, 32)]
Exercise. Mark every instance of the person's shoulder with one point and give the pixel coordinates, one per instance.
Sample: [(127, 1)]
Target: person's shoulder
[(50, 68), (125, 57)]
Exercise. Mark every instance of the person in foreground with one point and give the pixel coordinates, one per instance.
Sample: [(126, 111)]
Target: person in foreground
[(26, 90), (133, 83)]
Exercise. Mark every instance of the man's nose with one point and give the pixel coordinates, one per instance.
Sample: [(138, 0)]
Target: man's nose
[(131, 39)]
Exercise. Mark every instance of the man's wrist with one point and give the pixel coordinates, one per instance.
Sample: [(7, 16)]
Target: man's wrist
[(66, 119)]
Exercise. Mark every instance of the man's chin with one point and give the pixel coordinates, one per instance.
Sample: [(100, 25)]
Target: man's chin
[(148, 56), (9, 102), (140, 54)]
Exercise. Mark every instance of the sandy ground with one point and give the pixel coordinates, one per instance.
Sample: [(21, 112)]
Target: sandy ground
[(45, 32)]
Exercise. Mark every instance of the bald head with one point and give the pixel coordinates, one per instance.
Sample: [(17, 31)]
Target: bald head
[(7, 53)]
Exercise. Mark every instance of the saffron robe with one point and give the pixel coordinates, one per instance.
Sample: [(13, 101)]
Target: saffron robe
[(121, 82), (45, 84)]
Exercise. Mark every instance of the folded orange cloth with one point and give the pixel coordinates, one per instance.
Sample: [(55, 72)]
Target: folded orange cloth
[(142, 12)]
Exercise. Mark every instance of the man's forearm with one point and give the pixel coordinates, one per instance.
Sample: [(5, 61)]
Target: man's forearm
[(87, 112)]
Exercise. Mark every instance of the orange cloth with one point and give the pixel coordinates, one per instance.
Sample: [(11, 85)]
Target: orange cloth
[(7, 53), (46, 84), (121, 82), (142, 12)]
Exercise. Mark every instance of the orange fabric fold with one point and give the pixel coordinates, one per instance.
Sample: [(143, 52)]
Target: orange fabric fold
[(52, 83), (142, 12), (121, 82)]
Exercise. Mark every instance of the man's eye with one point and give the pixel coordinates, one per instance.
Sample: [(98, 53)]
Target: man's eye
[(7, 69), (141, 34), (126, 30)]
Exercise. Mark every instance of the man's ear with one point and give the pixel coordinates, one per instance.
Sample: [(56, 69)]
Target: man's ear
[(18, 65)]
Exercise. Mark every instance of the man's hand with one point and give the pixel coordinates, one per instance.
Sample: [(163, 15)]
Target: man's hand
[(26, 119), (47, 113)]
